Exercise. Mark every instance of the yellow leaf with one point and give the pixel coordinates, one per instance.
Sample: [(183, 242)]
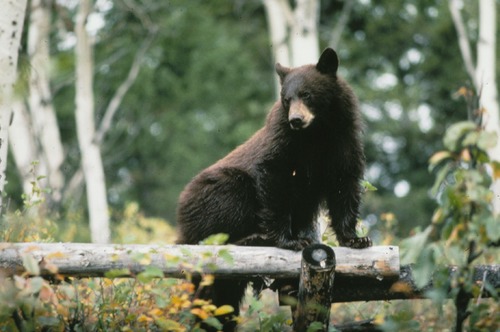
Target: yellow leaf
[(199, 302), (463, 92), (495, 165), (388, 217), (379, 319), (155, 312), (209, 308), (56, 254), (208, 280), (438, 216), (200, 313), (143, 319), (401, 287), (439, 156), (455, 234), (223, 310), (465, 155)]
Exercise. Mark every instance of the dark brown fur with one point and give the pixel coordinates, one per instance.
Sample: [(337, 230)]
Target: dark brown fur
[(268, 190)]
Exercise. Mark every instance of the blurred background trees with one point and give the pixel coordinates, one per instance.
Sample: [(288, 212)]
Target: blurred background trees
[(179, 84)]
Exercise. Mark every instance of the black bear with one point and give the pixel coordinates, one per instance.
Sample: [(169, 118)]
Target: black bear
[(268, 190)]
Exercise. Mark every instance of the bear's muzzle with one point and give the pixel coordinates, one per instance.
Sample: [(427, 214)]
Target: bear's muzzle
[(299, 115)]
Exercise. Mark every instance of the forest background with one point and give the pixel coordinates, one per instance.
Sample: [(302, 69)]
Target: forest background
[(203, 83)]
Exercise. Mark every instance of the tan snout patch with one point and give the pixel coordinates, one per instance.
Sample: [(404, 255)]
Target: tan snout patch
[(300, 112)]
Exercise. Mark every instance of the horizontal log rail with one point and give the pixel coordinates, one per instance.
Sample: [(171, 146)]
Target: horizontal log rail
[(94, 260), (360, 274)]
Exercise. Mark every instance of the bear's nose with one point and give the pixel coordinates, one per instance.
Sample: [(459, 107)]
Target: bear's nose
[(296, 122)]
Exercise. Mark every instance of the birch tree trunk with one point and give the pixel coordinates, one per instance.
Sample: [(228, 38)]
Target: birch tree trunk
[(43, 117), (293, 32), (304, 38), (90, 153), (23, 146), (11, 26), (485, 76)]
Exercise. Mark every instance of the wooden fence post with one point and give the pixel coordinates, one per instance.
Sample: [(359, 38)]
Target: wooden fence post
[(315, 287)]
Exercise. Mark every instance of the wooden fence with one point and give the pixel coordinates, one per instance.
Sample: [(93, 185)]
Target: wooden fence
[(342, 274)]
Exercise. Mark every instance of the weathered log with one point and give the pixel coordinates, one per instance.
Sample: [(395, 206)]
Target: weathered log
[(370, 274), (315, 288), (94, 260), (404, 288)]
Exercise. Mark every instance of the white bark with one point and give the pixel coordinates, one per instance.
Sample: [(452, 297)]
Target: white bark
[(463, 41), (485, 76), (113, 106), (293, 32), (304, 33), (84, 259), (11, 26), (278, 33), (23, 146), (44, 121), (90, 154)]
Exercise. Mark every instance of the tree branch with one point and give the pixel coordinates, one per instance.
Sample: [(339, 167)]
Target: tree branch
[(463, 41), (341, 23), (117, 99)]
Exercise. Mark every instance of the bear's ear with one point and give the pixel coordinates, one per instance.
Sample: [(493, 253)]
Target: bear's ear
[(328, 62), (282, 71)]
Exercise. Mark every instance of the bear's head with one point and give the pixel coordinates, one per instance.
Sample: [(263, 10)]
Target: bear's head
[(308, 90)]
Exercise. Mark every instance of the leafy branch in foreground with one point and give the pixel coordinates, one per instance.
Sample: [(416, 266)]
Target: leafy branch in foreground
[(464, 229)]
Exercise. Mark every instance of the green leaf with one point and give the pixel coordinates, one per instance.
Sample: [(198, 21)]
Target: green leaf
[(31, 265), (368, 186), (216, 239), (487, 140), (412, 247), (493, 228), (115, 273), (315, 326), (470, 139), (150, 273), (35, 284), (437, 158), (456, 132), (226, 256), (424, 266), (168, 324), (213, 322), (440, 178)]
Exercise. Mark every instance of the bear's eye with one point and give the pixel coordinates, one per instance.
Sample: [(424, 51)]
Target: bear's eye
[(306, 96), (285, 102)]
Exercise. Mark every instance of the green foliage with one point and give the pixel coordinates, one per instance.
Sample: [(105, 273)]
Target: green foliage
[(31, 222), (262, 314), (141, 302), (135, 227), (463, 227), (216, 239)]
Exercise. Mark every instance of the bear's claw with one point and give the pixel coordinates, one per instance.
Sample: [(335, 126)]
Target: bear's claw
[(358, 243)]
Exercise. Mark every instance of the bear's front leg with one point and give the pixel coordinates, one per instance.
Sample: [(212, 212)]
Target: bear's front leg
[(343, 204), (276, 231)]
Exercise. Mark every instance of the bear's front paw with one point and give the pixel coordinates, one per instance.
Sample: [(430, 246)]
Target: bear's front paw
[(295, 244), (357, 243)]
